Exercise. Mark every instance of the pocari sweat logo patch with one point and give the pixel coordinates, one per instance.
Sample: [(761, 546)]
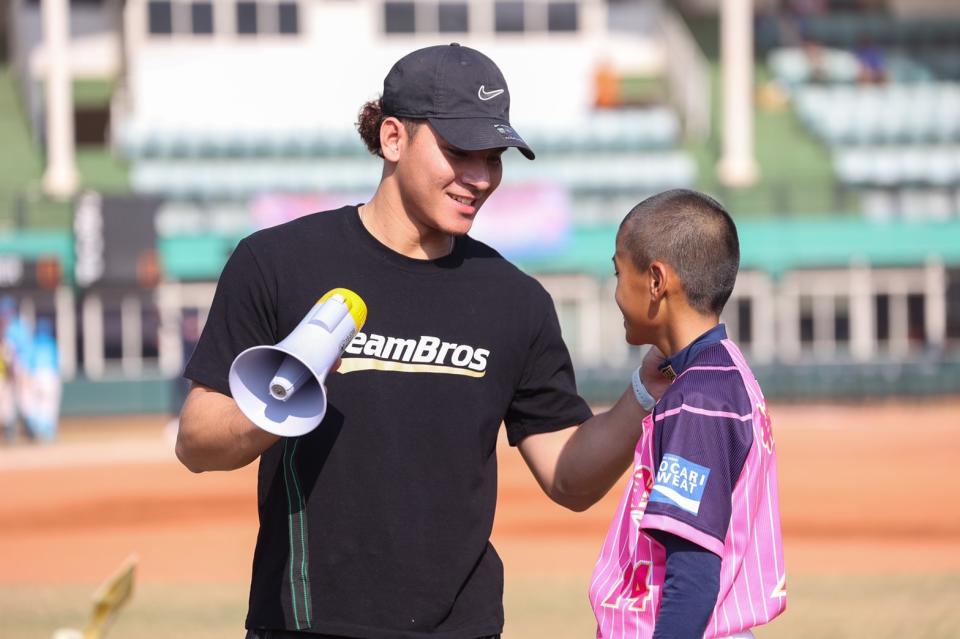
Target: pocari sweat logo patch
[(680, 483)]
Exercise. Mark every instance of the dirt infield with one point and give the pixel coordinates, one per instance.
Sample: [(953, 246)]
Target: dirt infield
[(862, 488)]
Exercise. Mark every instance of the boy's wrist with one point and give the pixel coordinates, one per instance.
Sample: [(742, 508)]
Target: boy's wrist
[(644, 398)]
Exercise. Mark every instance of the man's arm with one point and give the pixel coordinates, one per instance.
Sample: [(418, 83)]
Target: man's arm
[(215, 435), (578, 465)]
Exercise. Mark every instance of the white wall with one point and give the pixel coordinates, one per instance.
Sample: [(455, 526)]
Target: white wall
[(338, 62), (94, 41)]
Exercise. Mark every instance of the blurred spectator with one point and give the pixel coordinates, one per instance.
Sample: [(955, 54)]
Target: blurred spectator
[(873, 62), (21, 336), (43, 413), (8, 405), (816, 63), (17, 341), (795, 22)]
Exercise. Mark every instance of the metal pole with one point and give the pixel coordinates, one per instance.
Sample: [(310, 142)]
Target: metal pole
[(60, 179), (738, 166)]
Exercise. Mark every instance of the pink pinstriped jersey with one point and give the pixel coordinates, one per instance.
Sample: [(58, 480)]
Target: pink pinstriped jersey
[(705, 470)]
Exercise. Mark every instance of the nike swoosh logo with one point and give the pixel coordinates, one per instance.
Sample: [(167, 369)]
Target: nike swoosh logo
[(485, 95)]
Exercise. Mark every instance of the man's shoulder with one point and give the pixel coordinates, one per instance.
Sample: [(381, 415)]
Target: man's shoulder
[(305, 228)]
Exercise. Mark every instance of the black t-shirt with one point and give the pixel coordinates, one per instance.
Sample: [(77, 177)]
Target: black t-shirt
[(377, 523)]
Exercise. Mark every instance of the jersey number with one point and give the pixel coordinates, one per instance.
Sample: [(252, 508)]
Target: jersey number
[(640, 497), (766, 430), (635, 587)]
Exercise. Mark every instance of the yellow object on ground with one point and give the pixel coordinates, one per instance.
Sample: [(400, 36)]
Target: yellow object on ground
[(112, 595)]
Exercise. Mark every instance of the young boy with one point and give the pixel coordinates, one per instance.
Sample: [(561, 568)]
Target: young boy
[(694, 549)]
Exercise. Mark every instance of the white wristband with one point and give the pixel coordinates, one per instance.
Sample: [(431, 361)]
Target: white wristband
[(644, 398)]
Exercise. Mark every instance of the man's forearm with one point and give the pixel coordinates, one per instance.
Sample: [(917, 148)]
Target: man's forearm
[(215, 435), (597, 454)]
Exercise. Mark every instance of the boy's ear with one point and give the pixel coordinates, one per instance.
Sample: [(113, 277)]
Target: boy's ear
[(659, 278)]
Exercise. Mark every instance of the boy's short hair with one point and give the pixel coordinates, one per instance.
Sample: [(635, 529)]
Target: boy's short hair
[(695, 235)]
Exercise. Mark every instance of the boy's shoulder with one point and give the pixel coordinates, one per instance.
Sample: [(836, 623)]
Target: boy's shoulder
[(713, 382)]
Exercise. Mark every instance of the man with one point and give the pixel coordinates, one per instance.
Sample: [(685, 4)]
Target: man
[(377, 523)]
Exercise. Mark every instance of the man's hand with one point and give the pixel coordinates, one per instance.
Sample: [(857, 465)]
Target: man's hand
[(654, 381)]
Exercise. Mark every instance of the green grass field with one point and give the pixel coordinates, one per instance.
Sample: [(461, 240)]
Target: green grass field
[(834, 607)]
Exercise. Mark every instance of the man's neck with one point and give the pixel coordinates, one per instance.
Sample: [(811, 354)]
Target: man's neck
[(387, 220)]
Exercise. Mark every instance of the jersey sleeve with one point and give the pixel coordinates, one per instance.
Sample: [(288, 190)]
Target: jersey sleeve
[(242, 315), (700, 448), (546, 398)]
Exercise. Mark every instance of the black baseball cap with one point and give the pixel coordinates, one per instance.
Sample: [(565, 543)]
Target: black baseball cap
[(460, 91)]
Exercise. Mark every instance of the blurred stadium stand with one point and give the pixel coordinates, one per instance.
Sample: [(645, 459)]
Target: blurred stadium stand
[(882, 91), (850, 285)]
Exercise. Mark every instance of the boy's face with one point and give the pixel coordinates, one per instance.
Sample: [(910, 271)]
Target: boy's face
[(633, 298)]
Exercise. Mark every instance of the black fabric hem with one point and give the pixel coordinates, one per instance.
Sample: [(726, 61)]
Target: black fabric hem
[(210, 379), (366, 632), (517, 433)]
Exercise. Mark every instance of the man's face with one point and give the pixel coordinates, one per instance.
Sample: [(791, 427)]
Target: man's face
[(633, 298), (443, 187)]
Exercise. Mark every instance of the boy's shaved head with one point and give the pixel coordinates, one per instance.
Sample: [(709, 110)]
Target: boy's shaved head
[(692, 233)]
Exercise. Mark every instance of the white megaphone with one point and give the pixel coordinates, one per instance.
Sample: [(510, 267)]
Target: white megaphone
[(281, 388)]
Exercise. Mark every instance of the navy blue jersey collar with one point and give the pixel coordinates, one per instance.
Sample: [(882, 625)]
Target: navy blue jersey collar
[(679, 361)]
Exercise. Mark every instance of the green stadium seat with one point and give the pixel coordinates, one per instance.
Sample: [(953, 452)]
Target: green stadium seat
[(899, 166), (603, 131), (896, 114)]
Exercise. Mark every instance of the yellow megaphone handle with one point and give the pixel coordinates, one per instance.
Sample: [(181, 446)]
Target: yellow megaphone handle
[(356, 305)]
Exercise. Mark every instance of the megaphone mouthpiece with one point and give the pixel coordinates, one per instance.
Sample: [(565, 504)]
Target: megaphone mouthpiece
[(289, 377)]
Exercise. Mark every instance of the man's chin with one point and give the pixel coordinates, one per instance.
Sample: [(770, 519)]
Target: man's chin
[(461, 228)]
